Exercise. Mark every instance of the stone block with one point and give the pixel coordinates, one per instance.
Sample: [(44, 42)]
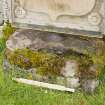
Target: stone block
[(89, 86), (73, 82), (62, 16), (60, 45), (70, 69), (53, 42)]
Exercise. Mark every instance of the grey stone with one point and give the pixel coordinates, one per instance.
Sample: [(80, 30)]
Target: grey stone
[(59, 44), (91, 72), (53, 42), (6, 65), (73, 82), (18, 43), (61, 80), (89, 86), (41, 78), (70, 69)]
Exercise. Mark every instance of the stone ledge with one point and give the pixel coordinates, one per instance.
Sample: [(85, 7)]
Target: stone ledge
[(65, 42), (60, 45), (66, 30)]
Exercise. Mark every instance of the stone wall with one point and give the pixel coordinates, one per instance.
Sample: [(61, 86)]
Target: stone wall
[(64, 60), (63, 27)]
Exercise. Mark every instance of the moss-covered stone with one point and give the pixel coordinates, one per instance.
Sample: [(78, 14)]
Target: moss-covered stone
[(48, 54), (46, 63), (8, 30)]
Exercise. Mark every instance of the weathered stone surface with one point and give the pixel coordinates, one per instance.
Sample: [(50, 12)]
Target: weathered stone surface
[(70, 69), (60, 7), (59, 44), (57, 14), (73, 82), (91, 72), (32, 74), (53, 42), (61, 80), (90, 85)]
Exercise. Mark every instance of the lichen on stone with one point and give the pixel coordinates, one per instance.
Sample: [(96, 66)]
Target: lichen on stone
[(46, 63)]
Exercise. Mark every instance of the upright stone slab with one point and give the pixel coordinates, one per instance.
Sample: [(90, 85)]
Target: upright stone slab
[(70, 17), (63, 16)]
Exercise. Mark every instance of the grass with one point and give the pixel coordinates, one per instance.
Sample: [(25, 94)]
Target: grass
[(12, 93)]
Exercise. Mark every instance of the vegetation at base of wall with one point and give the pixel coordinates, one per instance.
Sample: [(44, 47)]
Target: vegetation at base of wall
[(12, 93), (45, 63), (2, 44), (51, 64), (8, 29), (100, 61), (85, 61), (16, 72)]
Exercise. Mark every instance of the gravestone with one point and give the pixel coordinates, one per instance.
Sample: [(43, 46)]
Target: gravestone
[(77, 17), (56, 27)]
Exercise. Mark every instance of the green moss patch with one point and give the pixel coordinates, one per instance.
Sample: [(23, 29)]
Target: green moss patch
[(45, 63), (52, 64), (8, 29)]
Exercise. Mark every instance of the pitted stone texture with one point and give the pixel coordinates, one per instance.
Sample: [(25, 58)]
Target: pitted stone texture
[(32, 74), (73, 82), (69, 79), (53, 42), (59, 44), (89, 86), (61, 80), (70, 69)]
